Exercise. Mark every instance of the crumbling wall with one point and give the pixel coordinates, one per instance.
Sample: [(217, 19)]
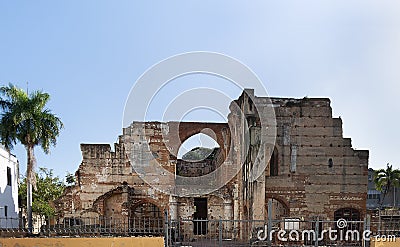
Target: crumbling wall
[(318, 170), (101, 173)]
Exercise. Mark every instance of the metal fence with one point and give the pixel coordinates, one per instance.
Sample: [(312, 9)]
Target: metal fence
[(83, 227), (289, 232), (212, 232)]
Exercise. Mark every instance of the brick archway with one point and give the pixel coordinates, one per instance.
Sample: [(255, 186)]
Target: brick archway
[(218, 131), (280, 207)]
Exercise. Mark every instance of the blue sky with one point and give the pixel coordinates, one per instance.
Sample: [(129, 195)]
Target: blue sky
[(88, 55)]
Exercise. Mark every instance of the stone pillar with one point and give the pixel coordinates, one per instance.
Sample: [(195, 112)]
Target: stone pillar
[(227, 214), (235, 209), (173, 208), (258, 206), (125, 207)]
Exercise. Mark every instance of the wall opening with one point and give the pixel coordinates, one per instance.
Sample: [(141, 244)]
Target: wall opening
[(203, 157), (351, 215), (9, 176), (200, 216), (330, 163), (148, 210), (197, 147), (279, 209), (273, 164), (146, 215)]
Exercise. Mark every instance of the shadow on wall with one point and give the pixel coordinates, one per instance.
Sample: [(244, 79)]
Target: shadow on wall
[(8, 209)]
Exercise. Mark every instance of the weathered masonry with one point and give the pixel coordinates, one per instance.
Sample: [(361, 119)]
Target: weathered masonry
[(313, 170)]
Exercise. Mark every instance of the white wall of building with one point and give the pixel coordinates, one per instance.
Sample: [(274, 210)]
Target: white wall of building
[(8, 193)]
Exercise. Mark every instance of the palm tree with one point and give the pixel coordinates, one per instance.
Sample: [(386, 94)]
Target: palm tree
[(386, 179), (26, 119)]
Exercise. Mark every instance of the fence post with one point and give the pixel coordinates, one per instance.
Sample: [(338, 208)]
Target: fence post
[(379, 224), (269, 224), (220, 231), (367, 227), (166, 241), (317, 231)]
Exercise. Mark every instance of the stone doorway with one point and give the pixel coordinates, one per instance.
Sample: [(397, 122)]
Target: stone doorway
[(200, 216)]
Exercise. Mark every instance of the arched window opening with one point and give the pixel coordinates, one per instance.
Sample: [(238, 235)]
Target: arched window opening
[(330, 163), (199, 155), (196, 148), (279, 210), (351, 216), (146, 217)]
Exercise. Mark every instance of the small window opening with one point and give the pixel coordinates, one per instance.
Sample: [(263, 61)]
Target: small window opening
[(330, 163), (9, 176), (273, 164)]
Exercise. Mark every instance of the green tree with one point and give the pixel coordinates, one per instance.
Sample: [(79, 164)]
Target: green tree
[(386, 179), (70, 179), (49, 188), (26, 119)]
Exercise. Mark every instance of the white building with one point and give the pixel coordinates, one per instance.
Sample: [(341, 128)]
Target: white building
[(9, 172)]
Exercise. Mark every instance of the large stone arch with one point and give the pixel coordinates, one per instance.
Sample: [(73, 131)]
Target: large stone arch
[(113, 202), (142, 201), (179, 132)]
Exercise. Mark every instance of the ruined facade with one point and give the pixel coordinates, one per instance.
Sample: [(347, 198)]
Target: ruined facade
[(311, 170)]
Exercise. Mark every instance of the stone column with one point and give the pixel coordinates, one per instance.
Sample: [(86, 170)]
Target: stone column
[(258, 206), (125, 207), (173, 208), (235, 209), (228, 214)]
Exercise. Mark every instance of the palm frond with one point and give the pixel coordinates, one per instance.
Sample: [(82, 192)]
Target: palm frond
[(26, 119)]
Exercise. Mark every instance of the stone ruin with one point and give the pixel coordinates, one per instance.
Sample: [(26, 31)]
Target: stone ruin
[(311, 170)]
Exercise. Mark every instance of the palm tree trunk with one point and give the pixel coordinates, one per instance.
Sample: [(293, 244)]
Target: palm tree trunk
[(383, 198), (30, 178), (29, 204)]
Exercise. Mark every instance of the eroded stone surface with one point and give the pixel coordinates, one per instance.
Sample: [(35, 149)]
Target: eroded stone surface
[(316, 170)]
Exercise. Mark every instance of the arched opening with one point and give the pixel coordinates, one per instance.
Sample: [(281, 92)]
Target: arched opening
[(146, 209), (145, 218), (197, 147), (198, 155), (279, 209), (349, 214), (273, 164), (352, 217)]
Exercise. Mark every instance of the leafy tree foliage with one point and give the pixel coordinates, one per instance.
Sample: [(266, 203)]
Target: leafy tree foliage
[(70, 179), (26, 119), (386, 179), (49, 188)]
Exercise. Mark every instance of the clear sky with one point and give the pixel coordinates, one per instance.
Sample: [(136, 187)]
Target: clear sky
[(88, 55)]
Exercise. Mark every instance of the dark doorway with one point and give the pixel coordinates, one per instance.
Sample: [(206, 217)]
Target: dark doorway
[(200, 216)]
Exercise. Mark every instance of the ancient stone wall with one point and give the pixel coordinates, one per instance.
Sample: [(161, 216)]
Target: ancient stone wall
[(314, 172), (318, 170)]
